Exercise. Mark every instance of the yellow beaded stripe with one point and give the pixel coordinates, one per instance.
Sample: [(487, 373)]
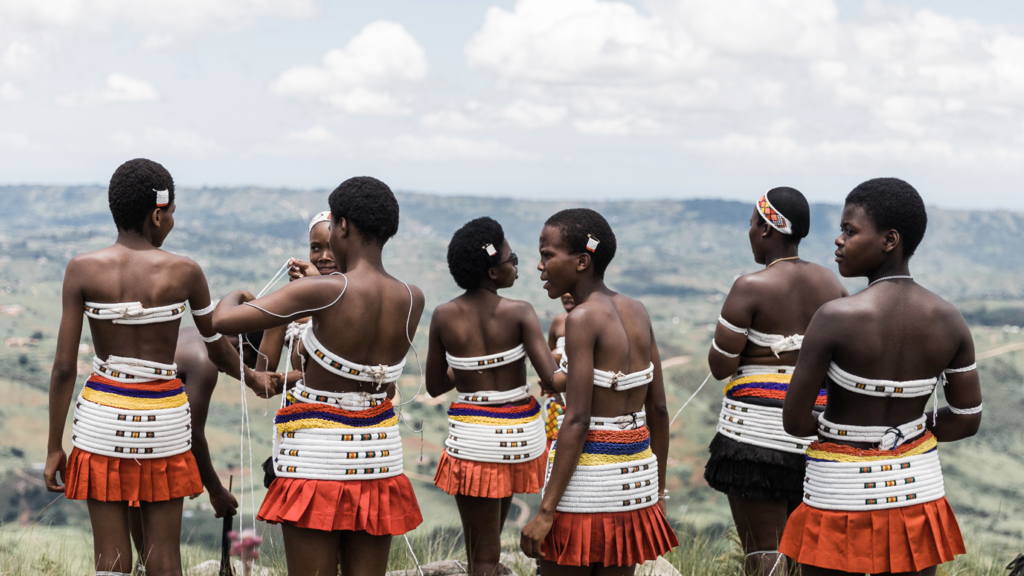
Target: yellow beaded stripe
[(485, 421), (773, 378), (925, 446), (319, 423), (598, 459), (129, 403)]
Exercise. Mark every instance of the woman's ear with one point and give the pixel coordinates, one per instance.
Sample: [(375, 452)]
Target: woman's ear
[(342, 227), (492, 273), (890, 241), (155, 217), (583, 261)]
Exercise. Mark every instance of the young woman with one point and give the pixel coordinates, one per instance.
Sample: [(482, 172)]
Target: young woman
[(131, 431), (553, 404), (340, 492), (478, 345), (602, 511), (321, 263), (873, 494), (757, 341)]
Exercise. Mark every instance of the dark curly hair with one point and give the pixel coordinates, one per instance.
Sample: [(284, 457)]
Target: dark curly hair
[(467, 256), (792, 204), (132, 192), (893, 205), (369, 205), (577, 226)]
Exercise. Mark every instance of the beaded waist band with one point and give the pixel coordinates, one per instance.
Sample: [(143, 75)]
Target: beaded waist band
[(138, 420), (758, 426), (616, 472), (849, 479), (765, 382), (337, 436), (495, 433)]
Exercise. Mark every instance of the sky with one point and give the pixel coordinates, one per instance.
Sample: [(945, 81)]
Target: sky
[(546, 99)]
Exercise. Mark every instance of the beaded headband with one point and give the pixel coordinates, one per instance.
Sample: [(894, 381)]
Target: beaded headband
[(163, 197), (324, 216), (773, 217)]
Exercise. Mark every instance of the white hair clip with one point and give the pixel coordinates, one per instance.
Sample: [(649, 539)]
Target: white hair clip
[(490, 250), (163, 197), (592, 243)]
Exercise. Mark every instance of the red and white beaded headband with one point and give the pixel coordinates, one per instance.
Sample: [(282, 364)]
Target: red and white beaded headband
[(773, 217), (324, 216)]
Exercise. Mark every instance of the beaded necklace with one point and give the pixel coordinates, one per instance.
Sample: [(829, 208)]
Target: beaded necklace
[(890, 278), (780, 260)]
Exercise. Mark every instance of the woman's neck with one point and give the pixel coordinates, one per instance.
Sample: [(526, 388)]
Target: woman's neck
[(133, 240)]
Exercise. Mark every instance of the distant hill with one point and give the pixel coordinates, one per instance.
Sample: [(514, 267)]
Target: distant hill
[(678, 256)]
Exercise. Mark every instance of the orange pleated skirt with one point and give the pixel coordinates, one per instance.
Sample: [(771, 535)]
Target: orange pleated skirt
[(489, 479), (907, 539), (609, 538), (383, 506), (109, 479)]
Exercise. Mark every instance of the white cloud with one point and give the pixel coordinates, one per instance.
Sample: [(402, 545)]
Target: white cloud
[(922, 84), (32, 31), (183, 141), (521, 113), (368, 76), (312, 135), (14, 141), (118, 89), (10, 93), (445, 147)]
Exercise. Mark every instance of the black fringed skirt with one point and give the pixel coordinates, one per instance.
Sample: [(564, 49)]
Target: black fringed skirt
[(748, 471)]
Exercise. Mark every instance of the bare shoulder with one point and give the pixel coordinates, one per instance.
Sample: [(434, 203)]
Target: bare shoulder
[(750, 284), (825, 274), (635, 306), (521, 308), (938, 307), (181, 264)]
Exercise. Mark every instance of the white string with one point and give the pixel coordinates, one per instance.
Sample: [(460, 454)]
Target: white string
[(414, 558), (248, 434), (890, 278), (688, 401), (281, 273), (303, 312), (419, 368)]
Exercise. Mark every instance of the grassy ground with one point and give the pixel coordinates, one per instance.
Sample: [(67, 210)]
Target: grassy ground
[(59, 551)]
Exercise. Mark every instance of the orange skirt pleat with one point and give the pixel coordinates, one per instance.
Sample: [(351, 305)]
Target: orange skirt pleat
[(108, 479), (609, 538), (489, 479), (384, 506), (907, 539)]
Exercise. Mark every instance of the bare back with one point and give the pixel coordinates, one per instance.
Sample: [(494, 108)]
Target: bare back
[(371, 324), (482, 324), (623, 343), (779, 300), (153, 277), (895, 333)]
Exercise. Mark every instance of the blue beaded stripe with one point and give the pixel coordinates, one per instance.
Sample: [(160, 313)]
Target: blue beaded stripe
[(615, 448), (489, 414), (92, 385)]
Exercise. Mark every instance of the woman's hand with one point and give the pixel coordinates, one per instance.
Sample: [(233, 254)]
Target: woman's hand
[(56, 461), (301, 269), (223, 503), (534, 533), (264, 384)]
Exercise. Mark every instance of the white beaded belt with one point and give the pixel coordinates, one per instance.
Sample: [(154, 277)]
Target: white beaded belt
[(133, 370), (486, 362), (874, 485), (758, 426), (617, 487), (338, 453), (885, 437), (503, 443), (139, 434)]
